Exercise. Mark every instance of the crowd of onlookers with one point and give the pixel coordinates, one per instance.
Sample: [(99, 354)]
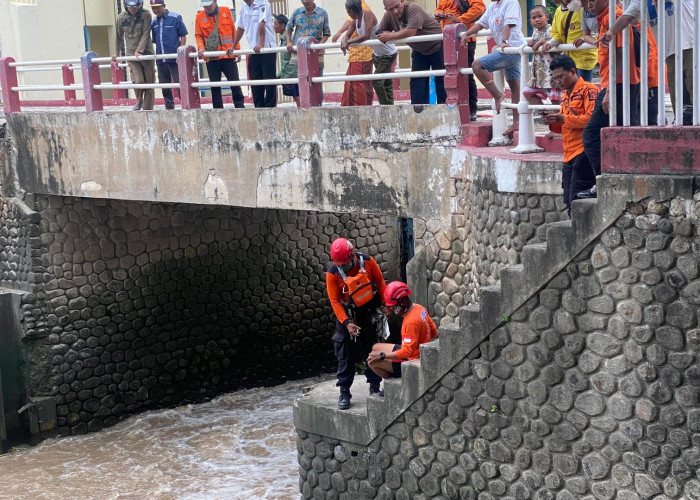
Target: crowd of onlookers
[(564, 80)]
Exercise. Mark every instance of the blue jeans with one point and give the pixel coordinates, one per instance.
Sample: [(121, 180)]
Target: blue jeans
[(586, 74), (167, 73)]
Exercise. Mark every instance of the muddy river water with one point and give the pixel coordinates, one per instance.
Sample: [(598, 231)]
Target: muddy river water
[(237, 446)]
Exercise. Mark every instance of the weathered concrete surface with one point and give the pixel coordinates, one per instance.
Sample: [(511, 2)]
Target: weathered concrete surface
[(651, 150), (389, 159)]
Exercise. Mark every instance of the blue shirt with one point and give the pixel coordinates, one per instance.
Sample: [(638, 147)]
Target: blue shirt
[(302, 24), (166, 32)]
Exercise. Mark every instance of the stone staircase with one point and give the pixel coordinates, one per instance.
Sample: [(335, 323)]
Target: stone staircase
[(316, 412)]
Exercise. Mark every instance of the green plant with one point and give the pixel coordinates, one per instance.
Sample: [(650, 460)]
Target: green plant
[(495, 409)]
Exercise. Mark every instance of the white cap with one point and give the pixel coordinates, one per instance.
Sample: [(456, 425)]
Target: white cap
[(206, 3)]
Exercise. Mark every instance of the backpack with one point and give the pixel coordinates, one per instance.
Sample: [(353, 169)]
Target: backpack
[(360, 287)]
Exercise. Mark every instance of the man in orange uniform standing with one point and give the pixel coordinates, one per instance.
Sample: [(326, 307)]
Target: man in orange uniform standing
[(417, 328), (209, 22), (576, 109), (355, 285), (465, 12)]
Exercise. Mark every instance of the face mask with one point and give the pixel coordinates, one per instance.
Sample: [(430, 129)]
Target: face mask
[(574, 5), (346, 267)]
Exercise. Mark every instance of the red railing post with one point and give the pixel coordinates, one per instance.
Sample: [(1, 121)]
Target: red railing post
[(119, 95), (456, 84), (68, 79), (91, 77), (8, 79), (309, 92), (188, 72)]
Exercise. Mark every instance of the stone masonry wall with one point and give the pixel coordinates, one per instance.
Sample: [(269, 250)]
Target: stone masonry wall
[(487, 232), (590, 391), (154, 304)]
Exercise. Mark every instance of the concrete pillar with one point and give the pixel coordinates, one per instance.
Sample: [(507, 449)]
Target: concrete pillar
[(91, 77), (456, 84), (309, 92), (189, 74), (119, 95), (68, 79), (8, 79)]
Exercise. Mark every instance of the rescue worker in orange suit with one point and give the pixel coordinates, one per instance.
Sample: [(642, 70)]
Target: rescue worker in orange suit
[(355, 285), (417, 328), (214, 15), (466, 12)]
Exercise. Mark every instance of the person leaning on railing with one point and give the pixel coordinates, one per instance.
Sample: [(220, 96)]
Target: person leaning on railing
[(403, 20), (466, 12), (567, 27), (133, 29), (600, 117), (365, 25), (633, 11), (287, 69), (168, 32), (502, 17), (214, 29), (308, 20), (359, 58)]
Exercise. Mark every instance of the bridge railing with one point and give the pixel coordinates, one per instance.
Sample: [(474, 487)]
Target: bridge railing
[(310, 79)]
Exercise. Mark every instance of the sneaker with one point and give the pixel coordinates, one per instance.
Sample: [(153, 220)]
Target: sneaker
[(136, 107), (588, 193), (375, 391), (473, 117), (344, 399)]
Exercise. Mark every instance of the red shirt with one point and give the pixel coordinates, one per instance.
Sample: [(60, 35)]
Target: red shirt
[(417, 328)]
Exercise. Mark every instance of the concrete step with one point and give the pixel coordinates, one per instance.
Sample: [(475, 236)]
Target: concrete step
[(491, 310), (533, 258), (549, 144), (470, 317)]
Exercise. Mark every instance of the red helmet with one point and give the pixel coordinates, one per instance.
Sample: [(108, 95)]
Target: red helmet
[(341, 250), (394, 291)]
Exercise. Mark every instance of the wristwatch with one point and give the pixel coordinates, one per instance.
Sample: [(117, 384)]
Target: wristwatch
[(382, 356)]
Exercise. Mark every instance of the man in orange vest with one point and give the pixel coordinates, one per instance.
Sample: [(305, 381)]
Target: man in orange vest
[(214, 30), (577, 105), (355, 285)]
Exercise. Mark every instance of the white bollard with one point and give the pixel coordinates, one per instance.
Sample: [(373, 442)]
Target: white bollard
[(526, 124), (500, 120)]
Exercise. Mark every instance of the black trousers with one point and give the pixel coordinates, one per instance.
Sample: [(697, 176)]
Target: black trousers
[(263, 67), (228, 67), (599, 120), (576, 176), (473, 97), (349, 351), (167, 73), (420, 87)]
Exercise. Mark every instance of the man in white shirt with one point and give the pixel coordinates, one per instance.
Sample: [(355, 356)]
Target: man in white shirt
[(256, 23), (502, 17)]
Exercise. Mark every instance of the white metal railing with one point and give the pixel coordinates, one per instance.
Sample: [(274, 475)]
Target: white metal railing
[(670, 16)]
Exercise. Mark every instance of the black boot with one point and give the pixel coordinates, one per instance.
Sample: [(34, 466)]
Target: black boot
[(344, 399), (374, 390)]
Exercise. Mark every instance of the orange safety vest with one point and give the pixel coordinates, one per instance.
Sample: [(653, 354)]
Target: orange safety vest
[(204, 25)]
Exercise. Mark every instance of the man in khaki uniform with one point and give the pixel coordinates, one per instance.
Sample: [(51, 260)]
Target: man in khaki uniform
[(134, 29)]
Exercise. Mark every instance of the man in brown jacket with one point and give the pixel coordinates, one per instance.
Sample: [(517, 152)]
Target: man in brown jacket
[(134, 29)]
